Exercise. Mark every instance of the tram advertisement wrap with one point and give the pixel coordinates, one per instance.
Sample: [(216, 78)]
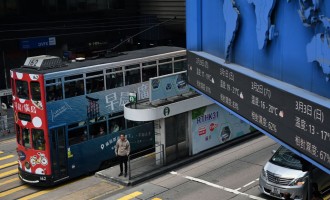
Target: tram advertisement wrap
[(212, 126)]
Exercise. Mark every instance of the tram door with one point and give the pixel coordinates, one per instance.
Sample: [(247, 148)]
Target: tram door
[(59, 153)]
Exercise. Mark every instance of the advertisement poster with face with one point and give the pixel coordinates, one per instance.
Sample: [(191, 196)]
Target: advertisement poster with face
[(212, 126)]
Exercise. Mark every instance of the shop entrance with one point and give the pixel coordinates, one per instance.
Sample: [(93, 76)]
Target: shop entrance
[(176, 136)]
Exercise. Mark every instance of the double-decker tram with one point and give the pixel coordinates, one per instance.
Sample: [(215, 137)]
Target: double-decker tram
[(68, 116)]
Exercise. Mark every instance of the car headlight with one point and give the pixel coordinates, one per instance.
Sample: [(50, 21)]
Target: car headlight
[(263, 173), (299, 181)]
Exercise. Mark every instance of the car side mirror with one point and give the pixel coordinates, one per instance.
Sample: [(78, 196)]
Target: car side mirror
[(273, 151)]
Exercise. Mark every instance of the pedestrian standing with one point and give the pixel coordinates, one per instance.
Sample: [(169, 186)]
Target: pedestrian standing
[(122, 151), (4, 121)]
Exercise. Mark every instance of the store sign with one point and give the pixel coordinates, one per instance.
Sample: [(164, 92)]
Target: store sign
[(33, 43), (166, 86), (132, 97), (296, 121)]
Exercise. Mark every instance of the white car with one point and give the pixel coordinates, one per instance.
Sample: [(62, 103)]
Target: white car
[(283, 174)]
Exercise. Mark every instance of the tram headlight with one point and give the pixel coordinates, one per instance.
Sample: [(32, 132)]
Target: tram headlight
[(27, 165)]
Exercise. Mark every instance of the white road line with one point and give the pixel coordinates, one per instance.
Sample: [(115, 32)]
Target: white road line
[(248, 184), (218, 186), (238, 188)]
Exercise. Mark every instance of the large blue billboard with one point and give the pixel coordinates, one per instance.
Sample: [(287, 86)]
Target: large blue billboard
[(286, 40), (267, 62)]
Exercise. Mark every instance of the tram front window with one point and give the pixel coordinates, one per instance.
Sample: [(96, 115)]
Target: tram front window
[(26, 137), (35, 91), (38, 139), (22, 89)]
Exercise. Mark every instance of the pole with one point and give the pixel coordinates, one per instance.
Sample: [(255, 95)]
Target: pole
[(129, 167)]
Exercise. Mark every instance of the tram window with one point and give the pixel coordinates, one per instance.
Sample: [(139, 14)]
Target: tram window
[(73, 77), (38, 139), (112, 115), (18, 134), (148, 73), (149, 63), (131, 124), (94, 73), (132, 66), (132, 76), (74, 88), (117, 124), (165, 69), (22, 89), (95, 84), (98, 129), (26, 137), (54, 92), (180, 66), (165, 60), (180, 58), (114, 80), (77, 135), (114, 70), (35, 91)]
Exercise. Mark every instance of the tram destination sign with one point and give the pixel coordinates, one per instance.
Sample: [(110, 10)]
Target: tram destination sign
[(298, 122)]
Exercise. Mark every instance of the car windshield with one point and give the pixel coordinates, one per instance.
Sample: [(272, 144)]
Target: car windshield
[(285, 158)]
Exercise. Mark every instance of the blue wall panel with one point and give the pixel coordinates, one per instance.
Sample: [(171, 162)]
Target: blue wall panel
[(283, 57), (212, 17)]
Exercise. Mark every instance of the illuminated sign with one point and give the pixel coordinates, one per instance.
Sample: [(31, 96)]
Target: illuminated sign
[(298, 122), (33, 43)]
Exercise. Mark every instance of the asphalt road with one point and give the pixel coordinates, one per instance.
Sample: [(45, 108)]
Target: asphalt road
[(230, 174)]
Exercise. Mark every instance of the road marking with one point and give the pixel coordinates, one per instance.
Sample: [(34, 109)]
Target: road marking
[(249, 184), (11, 191), (8, 173), (6, 157), (98, 197), (34, 195), (9, 181), (7, 141), (218, 186), (156, 199), (37, 194), (130, 196), (8, 165)]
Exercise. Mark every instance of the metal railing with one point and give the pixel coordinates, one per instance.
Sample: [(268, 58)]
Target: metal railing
[(139, 165)]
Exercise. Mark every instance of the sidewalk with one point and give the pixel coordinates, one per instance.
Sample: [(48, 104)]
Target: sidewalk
[(111, 174)]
